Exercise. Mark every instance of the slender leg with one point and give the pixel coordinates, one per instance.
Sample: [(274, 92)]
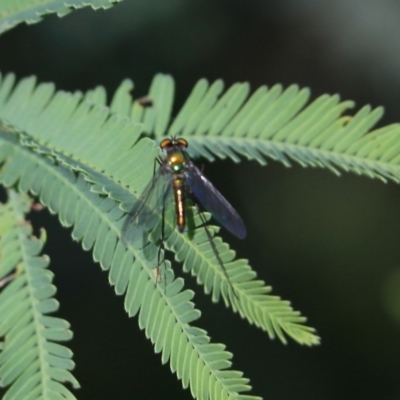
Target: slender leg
[(156, 161), (214, 248), (161, 249)]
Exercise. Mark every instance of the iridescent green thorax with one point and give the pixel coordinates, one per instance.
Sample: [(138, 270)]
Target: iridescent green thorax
[(176, 161)]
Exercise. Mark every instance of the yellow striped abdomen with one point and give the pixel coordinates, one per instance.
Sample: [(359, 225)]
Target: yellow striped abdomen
[(178, 185)]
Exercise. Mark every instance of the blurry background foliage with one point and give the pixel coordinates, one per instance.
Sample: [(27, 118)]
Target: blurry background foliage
[(330, 245)]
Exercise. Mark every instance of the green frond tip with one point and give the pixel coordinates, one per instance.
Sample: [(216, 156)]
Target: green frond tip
[(31, 11), (278, 123), (274, 123), (32, 363), (254, 302)]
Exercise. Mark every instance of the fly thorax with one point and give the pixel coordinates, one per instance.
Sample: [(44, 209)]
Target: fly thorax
[(176, 162)]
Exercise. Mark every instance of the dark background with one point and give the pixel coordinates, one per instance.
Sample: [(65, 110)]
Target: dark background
[(328, 244)]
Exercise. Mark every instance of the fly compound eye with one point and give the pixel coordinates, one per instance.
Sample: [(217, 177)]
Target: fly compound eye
[(182, 142), (166, 143)]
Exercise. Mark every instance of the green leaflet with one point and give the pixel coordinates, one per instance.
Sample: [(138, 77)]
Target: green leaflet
[(31, 360), (31, 11)]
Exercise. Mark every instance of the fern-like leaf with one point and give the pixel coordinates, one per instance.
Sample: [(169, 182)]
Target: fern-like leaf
[(165, 311), (31, 360), (254, 301), (104, 155), (31, 11), (276, 123)]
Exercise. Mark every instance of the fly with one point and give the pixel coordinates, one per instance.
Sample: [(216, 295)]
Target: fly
[(178, 176)]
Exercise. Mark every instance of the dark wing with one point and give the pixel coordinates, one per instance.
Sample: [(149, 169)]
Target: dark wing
[(213, 201), (146, 211)]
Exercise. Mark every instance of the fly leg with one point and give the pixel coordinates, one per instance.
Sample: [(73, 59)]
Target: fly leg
[(213, 247), (161, 248), (158, 161)]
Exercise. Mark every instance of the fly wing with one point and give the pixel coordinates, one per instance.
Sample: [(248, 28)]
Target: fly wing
[(145, 213), (213, 201)]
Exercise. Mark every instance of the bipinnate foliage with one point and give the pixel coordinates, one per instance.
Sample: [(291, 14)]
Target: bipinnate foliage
[(88, 163), (13, 12), (88, 160), (32, 362)]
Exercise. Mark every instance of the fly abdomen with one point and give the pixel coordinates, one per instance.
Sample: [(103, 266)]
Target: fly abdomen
[(178, 185)]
